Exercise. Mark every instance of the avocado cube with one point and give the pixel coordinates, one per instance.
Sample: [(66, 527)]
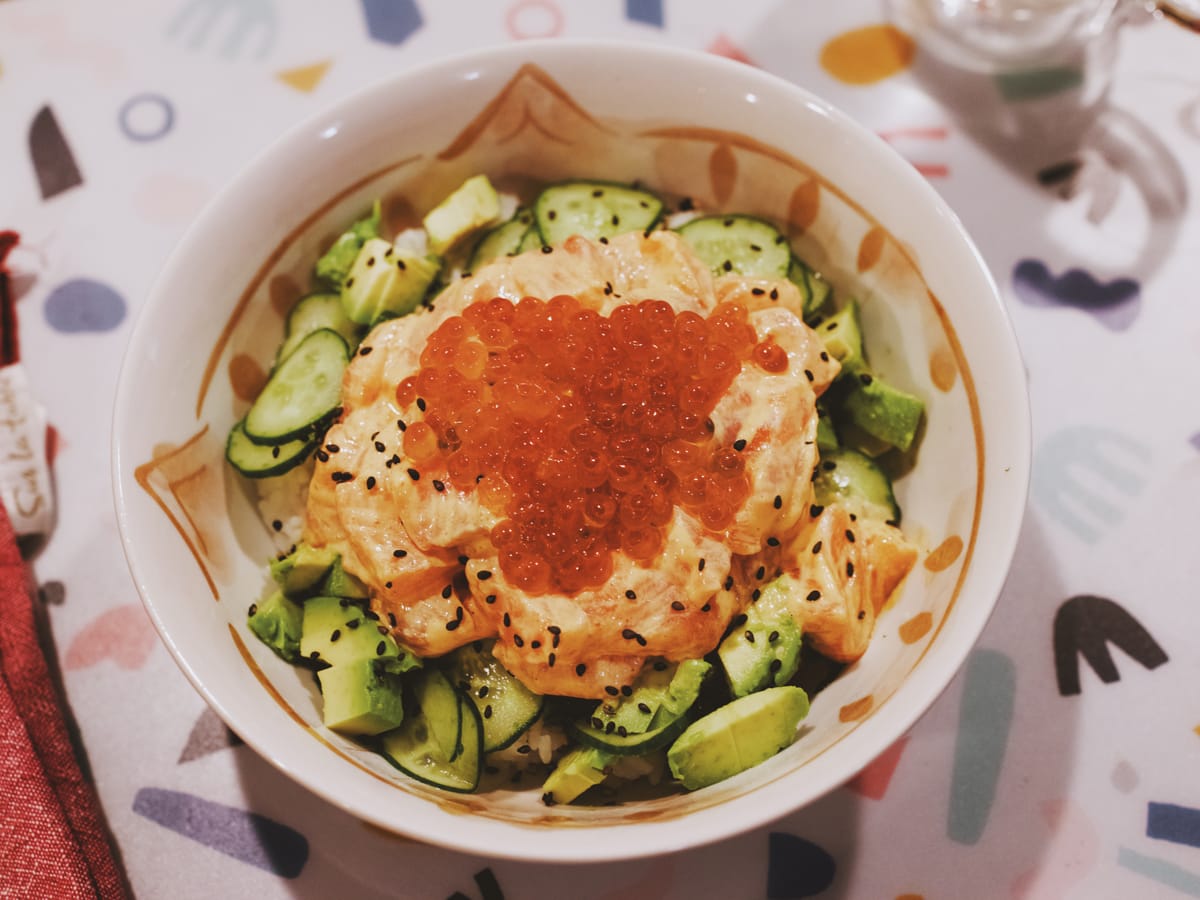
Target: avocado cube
[(578, 770), (842, 336), (737, 736), (340, 583), (386, 281), (474, 205), (339, 631), (765, 650), (277, 622), (302, 569), (334, 266), (362, 697), (883, 411), (827, 438)]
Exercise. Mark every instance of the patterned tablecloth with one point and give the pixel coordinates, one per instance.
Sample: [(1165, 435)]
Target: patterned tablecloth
[(1064, 761)]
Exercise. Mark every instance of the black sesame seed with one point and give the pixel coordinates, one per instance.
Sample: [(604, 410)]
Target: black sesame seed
[(862, 614), (628, 633), (757, 292), (749, 635), (552, 215), (507, 620), (518, 640), (381, 648), (421, 404), (760, 573), (677, 605), (774, 293), (447, 591), (626, 691), (458, 613), (772, 637), (727, 266), (349, 282), (739, 445), (581, 668), (333, 448), (365, 351), (706, 607), (489, 599), (337, 633), (554, 629), (611, 726), (815, 510), (778, 502), (829, 465), (814, 596), (547, 249), (253, 609), (610, 690), (323, 456), (849, 570), (644, 708), (400, 424), (372, 615), (816, 548), (631, 595), (275, 452), (452, 625), (824, 356), (739, 620), (551, 660), (535, 644), (772, 542), (391, 619), (850, 535), (776, 665), (342, 477), (370, 482), (382, 629), (401, 265), (622, 731), (754, 596), (603, 240), (524, 748), (438, 486), (548, 799), (865, 378), (809, 375), (388, 585), (608, 288), (483, 575), (353, 624), (487, 711), (399, 554), (616, 220), (728, 582), (414, 474)]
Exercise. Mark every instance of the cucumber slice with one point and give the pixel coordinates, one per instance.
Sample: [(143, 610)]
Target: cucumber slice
[(594, 209), (853, 479), (813, 288), (506, 707), (266, 460), (503, 240), (827, 437), (629, 744), (739, 245), (323, 310), (441, 739), (532, 240), (670, 693), (304, 389)]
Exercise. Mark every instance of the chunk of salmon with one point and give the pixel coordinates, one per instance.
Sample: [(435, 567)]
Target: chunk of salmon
[(846, 569), (677, 607), (776, 414)]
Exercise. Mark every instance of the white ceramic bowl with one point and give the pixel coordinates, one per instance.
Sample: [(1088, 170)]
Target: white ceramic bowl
[(726, 134)]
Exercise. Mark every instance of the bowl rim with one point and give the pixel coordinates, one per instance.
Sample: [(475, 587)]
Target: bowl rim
[(756, 807)]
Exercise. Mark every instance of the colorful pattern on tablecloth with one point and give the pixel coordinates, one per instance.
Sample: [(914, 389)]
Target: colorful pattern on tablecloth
[(1058, 764)]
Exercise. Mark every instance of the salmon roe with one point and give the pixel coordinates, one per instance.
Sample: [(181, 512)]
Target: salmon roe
[(584, 432)]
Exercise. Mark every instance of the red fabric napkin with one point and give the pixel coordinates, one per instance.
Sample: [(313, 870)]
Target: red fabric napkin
[(53, 842)]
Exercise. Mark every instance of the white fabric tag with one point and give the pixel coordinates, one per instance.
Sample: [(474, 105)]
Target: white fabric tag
[(25, 488)]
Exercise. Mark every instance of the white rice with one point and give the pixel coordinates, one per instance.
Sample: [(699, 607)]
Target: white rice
[(282, 501), (544, 741)]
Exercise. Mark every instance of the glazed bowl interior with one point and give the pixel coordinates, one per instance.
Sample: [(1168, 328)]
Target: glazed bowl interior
[(726, 135)]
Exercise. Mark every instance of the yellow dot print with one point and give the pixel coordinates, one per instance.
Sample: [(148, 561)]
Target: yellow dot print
[(867, 55)]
